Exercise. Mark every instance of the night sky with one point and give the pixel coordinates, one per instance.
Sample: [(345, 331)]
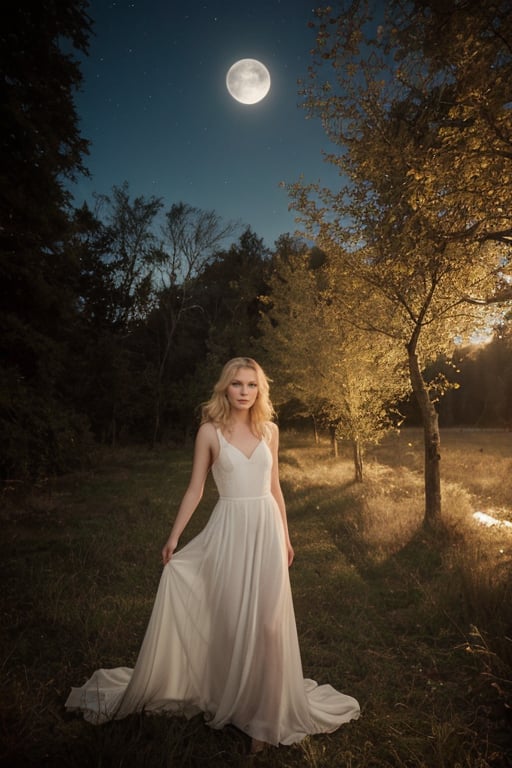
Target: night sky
[(156, 109)]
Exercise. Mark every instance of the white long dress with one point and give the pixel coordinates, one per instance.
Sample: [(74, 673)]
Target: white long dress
[(222, 637)]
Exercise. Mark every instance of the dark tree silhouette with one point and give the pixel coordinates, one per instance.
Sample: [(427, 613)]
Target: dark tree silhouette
[(40, 148)]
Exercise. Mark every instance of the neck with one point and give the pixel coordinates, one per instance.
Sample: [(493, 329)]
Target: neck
[(240, 417)]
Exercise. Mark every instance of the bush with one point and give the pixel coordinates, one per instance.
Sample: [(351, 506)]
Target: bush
[(40, 436)]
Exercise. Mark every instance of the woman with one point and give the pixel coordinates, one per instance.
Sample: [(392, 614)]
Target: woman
[(222, 637)]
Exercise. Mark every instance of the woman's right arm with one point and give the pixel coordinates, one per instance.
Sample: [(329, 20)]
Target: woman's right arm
[(204, 454)]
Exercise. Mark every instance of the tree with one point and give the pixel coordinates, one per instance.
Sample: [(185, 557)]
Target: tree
[(191, 237), (222, 322), (424, 145), (232, 284), (484, 371), (345, 378), (132, 250), (40, 149), (116, 247), (138, 333)]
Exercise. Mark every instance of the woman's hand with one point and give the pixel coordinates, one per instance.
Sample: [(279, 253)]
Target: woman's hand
[(168, 550), (291, 554)]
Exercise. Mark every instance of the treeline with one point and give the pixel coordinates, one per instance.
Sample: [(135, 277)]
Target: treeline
[(117, 315), (155, 304), (474, 386)]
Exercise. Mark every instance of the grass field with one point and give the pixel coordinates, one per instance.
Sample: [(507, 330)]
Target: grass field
[(416, 625)]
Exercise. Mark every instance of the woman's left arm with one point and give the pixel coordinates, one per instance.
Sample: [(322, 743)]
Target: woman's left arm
[(275, 487)]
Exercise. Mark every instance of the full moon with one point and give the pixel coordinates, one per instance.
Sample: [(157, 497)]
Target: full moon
[(248, 81)]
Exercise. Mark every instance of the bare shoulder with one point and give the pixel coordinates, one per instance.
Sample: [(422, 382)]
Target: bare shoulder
[(206, 432), (206, 447)]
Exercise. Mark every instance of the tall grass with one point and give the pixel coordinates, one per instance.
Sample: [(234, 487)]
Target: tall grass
[(416, 624)]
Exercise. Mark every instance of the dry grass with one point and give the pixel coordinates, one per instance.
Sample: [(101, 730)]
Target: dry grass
[(416, 625)]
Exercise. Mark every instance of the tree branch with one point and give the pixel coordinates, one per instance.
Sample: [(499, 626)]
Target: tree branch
[(497, 298)]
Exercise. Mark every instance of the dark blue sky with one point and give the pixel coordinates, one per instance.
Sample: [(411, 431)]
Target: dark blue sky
[(156, 109)]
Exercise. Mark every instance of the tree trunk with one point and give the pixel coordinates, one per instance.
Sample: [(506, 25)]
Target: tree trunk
[(315, 430), (334, 442), (157, 416), (432, 441), (358, 460), (170, 331)]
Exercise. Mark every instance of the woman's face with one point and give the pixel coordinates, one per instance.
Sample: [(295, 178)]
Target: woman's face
[(242, 390)]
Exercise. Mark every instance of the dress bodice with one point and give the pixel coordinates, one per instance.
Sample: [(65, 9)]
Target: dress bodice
[(237, 476)]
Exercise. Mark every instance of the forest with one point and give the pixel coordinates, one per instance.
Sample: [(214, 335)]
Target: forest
[(117, 315), (382, 322)]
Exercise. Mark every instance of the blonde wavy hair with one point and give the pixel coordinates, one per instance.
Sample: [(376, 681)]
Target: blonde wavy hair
[(217, 409)]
